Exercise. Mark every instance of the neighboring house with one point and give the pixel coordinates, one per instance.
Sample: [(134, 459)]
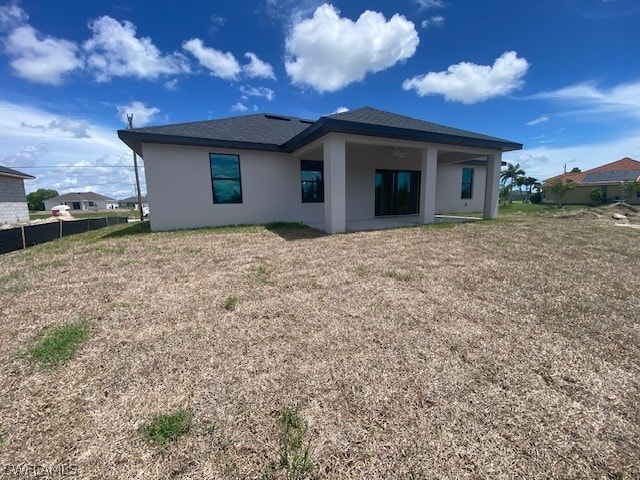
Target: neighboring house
[(13, 201), (82, 201), (132, 202), (606, 177), (359, 165)]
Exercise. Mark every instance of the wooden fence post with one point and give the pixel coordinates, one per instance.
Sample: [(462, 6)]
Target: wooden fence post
[(24, 240), (60, 220)]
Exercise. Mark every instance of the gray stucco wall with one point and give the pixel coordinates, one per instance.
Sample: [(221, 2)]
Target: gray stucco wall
[(13, 201)]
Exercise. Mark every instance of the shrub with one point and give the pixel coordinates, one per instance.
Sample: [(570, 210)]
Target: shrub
[(536, 198), (597, 196)]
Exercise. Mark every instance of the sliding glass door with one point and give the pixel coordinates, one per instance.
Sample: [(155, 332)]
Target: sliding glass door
[(397, 192)]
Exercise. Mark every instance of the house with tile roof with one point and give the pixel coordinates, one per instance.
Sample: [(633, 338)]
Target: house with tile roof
[(363, 168), (13, 201), (607, 178), (82, 201)]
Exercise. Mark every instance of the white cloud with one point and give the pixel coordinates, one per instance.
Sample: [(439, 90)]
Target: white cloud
[(425, 4), (77, 128), (589, 98), (28, 157), (328, 52), (11, 16), (340, 110), (540, 119), (436, 21), (41, 60), (171, 85), (544, 161), (142, 115), (249, 91), (115, 51), (257, 68), (221, 65), (239, 107), (470, 83)]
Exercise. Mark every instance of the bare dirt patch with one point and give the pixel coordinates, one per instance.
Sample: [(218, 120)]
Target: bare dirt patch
[(496, 349)]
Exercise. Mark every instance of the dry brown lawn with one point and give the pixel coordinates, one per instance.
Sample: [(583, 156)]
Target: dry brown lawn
[(505, 349)]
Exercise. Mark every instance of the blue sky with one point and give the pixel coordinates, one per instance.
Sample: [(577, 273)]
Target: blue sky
[(562, 77)]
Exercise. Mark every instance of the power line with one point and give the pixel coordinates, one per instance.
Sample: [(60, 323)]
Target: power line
[(77, 166)]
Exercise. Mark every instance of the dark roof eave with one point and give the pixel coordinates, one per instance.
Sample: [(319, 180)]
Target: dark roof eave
[(21, 177), (327, 125), (135, 140)]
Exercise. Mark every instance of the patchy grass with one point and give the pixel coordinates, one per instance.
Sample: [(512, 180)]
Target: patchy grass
[(532, 208), (102, 214), (230, 303), (167, 427), (510, 351), (58, 344)]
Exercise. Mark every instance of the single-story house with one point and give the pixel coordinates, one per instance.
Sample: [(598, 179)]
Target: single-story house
[(82, 201), (607, 178), (13, 200), (132, 202), (334, 173)]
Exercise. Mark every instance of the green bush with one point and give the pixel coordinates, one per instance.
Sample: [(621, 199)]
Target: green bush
[(536, 198), (597, 196)]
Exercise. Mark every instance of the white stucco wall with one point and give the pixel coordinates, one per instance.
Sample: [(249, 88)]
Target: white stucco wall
[(449, 181), (180, 194)]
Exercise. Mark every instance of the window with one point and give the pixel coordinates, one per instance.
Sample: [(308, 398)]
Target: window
[(312, 181), (467, 183), (225, 178), (91, 204)]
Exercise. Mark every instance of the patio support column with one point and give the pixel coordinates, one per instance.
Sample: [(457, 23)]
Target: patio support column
[(492, 184), (428, 173), (334, 184)]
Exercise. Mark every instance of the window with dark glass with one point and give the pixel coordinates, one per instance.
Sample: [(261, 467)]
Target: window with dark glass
[(467, 183), (225, 178), (312, 181), (397, 192)]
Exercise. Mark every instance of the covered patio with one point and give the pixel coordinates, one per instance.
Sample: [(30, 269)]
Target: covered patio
[(384, 223)]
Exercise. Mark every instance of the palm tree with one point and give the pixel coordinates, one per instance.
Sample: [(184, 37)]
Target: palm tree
[(530, 182), (512, 174)]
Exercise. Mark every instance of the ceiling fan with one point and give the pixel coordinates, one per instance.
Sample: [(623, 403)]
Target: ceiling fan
[(396, 153)]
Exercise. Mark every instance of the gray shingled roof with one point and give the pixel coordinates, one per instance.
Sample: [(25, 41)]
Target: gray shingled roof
[(80, 197), (286, 134), (133, 199), (14, 173), (372, 116)]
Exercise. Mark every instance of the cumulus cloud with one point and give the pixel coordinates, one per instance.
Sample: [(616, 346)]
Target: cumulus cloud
[(241, 107), (28, 157), (340, 110), (540, 119), (221, 65), (257, 68), (77, 128), (328, 52), (470, 83), (115, 51), (436, 21), (41, 59), (249, 91), (142, 115), (590, 98)]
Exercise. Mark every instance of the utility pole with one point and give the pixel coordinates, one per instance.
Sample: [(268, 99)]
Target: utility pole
[(135, 168)]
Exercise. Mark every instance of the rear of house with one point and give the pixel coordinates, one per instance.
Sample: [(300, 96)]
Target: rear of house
[(361, 165), (13, 200)]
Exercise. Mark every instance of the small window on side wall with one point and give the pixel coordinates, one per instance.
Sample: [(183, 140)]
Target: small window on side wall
[(467, 183), (312, 181), (225, 178)]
